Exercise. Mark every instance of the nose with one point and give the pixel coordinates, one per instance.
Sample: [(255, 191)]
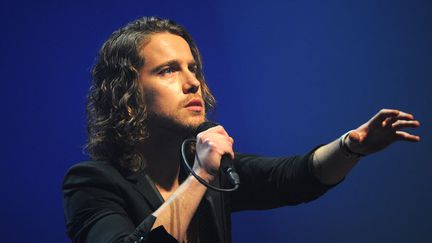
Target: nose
[(191, 83)]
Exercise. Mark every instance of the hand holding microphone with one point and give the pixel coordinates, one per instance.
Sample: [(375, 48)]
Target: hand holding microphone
[(213, 152)]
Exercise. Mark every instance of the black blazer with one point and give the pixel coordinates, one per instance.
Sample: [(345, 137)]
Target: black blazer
[(103, 205)]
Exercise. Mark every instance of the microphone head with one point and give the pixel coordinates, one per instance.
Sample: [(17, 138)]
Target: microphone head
[(204, 126)]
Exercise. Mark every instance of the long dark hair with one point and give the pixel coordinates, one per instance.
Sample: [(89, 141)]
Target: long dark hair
[(116, 112)]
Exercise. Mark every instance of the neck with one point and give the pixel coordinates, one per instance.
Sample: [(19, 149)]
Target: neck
[(161, 151)]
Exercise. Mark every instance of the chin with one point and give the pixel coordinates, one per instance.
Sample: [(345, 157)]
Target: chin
[(177, 124), (195, 122)]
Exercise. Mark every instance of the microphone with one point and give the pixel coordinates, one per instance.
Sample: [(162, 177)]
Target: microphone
[(226, 162)]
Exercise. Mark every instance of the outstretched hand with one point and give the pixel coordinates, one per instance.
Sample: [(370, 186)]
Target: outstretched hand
[(382, 130)]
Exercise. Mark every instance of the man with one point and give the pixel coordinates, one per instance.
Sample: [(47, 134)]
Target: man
[(148, 95)]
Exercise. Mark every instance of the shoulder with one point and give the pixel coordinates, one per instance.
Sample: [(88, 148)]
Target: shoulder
[(92, 167), (92, 191), (91, 173)]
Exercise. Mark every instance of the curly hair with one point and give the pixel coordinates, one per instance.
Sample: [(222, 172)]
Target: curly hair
[(116, 112)]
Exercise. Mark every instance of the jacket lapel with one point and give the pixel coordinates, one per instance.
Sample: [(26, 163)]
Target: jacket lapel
[(143, 184)]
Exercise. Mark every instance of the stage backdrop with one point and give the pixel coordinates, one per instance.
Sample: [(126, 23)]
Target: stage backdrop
[(287, 75)]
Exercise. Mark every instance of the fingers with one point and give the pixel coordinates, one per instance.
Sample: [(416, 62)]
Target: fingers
[(400, 121), (222, 144), (386, 116), (407, 137), (218, 139), (220, 130), (401, 124)]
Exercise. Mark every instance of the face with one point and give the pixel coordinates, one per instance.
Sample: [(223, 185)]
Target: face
[(168, 82)]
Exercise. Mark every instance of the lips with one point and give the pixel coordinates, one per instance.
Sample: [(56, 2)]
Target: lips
[(195, 104)]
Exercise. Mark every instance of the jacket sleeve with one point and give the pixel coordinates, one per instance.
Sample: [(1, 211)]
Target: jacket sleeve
[(96, 212), (274, 182)]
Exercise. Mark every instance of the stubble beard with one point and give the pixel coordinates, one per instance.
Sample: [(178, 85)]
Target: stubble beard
[(174, 124)]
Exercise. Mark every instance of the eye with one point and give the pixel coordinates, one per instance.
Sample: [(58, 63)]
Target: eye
[(166, 71), (193, 68)]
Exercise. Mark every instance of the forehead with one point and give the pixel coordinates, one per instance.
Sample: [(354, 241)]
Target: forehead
[(164, 47)]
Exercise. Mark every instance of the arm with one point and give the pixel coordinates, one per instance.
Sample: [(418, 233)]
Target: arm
[(176, 213), (332, 162), (271, 182)]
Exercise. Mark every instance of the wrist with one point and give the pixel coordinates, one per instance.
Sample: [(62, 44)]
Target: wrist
[(346, 149), (208, 177)]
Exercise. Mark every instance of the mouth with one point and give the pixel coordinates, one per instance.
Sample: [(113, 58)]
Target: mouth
[(195, 104)]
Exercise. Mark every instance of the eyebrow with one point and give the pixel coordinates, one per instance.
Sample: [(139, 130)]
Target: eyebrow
[(169, 63)]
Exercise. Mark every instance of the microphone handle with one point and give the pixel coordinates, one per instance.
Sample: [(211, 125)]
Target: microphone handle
[(228, 168)]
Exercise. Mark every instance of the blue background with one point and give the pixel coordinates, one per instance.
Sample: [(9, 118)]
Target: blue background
[(287, 75)]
